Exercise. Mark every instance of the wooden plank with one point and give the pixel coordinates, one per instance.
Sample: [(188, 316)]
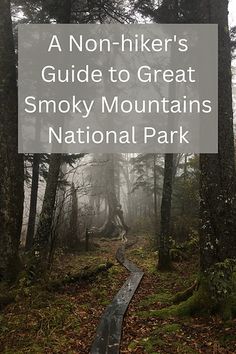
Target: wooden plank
[(108, 335)]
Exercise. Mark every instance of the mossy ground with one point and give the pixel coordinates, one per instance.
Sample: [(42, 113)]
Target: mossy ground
[(64, 321), (157, 326)]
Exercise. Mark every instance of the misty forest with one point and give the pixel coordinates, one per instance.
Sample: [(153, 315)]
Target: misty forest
[(117, 253)]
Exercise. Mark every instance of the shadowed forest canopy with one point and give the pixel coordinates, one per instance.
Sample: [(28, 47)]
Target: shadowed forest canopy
[(79, 230)]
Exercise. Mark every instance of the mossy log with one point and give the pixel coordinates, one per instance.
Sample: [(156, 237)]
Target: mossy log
[(186, 294), (84, 275), (200, 304), (213, 293)]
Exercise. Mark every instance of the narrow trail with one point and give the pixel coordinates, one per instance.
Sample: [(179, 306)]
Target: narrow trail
[(108, 336)]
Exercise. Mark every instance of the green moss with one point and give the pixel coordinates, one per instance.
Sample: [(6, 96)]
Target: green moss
[(198, 304), (38, 298), (220, 280), (169, 328), (37, 324), (143, 257), (115, 270), (105, 302), (132, 345), (155, 340), (138, 252), (186, 349), (215, 294), (164, 298), (185, 295), (100, 293), (142, 314), (85, 306), (152, 269), (150, 343)]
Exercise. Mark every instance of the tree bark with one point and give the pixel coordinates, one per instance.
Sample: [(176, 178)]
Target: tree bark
[(168, 13), (164, 260), (217, 171), (42, 237), (11, 163), (216, 289), (33, 203), (155, 199), (43, 234), (73, 239), (64, 15), (110, 227)]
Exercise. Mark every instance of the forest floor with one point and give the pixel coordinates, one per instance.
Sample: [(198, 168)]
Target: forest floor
[(64, 321)]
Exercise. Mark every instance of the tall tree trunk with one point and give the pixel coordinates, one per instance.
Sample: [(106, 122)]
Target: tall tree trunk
[(217, 177), (168, 13), (217, 185), (73, 237), (118, 182), (185, 168), (11, 163), (164, 261), (64, 13), (127, 174), (42, 237), (110, 227), (155, 198), (35, 170), (33, 202)]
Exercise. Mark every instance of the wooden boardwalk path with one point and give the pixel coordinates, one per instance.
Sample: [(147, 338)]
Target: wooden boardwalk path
[(108, 336)]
